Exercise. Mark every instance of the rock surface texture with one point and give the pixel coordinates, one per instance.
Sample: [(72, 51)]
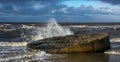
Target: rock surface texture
[(73, 43)]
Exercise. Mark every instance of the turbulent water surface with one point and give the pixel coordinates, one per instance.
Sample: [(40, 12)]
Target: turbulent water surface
[(14, 37)]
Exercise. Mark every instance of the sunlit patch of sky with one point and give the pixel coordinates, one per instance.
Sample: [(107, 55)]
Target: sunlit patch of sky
[(77, 3)]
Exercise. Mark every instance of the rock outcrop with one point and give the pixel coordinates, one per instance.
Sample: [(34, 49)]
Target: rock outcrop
[(73, 43)]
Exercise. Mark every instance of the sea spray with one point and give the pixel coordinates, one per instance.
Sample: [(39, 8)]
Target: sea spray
[(52, 29)]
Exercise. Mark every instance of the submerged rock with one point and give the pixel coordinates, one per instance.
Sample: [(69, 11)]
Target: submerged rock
[(73, 43)]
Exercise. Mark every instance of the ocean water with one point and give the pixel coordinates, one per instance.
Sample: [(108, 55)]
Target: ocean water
[(14, 37)]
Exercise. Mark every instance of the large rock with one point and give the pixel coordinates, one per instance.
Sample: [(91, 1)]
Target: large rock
[(73, 43)]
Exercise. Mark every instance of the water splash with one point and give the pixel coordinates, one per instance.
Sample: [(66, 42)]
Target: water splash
[(52, 29)]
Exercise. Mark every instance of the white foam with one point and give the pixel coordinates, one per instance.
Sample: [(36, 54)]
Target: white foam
[(112, 52), (79, 26), (13, 43), (26, 57), (27, 27), (115, 40)]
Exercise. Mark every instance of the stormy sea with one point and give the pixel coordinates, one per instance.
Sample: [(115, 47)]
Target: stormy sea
[(15, 36)]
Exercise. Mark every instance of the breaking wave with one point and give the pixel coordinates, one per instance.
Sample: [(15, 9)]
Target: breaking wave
[(52, 29), (15, 51)]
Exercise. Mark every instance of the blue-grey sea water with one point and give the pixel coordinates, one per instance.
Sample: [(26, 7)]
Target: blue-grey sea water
[(14, 37)]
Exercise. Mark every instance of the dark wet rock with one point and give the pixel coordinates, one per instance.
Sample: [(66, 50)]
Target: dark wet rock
[(73, 43)]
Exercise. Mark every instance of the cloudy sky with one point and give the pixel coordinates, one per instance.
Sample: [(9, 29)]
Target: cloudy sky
[(61, 10)]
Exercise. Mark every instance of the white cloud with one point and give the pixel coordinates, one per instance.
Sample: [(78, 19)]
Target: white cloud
[(15, 8), (53, 11), (37, 6), (64, 10)]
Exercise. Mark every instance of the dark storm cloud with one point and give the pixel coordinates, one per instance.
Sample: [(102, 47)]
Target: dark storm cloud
[(28, 7), (114, 2), (85, 14), (62, 13), (21, 1), (83, 10)]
